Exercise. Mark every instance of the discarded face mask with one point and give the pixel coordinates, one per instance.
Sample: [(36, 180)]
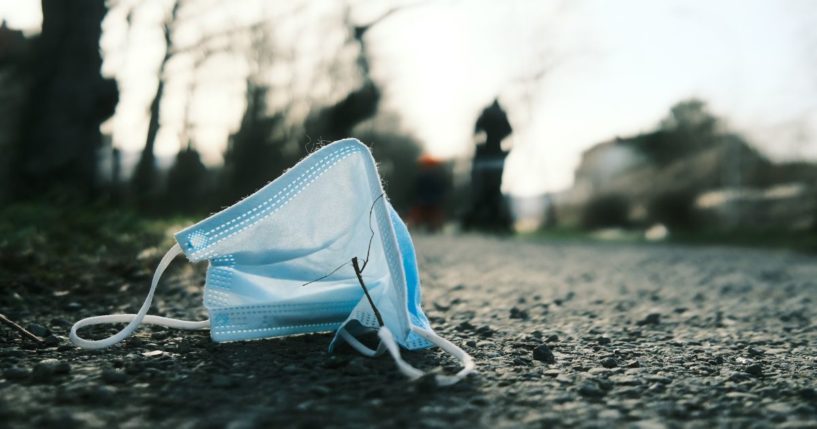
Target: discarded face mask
[(318, 249)]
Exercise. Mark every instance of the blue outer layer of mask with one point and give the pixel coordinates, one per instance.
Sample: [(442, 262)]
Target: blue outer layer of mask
[(281, 263), (280, 260)]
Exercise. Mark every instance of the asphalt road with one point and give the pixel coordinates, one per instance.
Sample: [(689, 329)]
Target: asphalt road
[(564, 334)]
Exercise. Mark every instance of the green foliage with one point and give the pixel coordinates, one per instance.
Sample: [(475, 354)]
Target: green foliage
[(43, 245), (189, 188), (673, 209), (77, 229), (605, 211), (689, 127)]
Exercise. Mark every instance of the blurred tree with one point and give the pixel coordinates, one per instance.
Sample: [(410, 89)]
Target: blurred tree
[(14, 50), (188, 183), (67, 102), (691, 116), (337, 120), (145, 178), (689, 127), (254, 155), (606, 211)]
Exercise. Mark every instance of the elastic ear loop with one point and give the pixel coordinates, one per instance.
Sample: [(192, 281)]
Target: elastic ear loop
[(134, 320), (387, 340), (360, 347), (411, 372)]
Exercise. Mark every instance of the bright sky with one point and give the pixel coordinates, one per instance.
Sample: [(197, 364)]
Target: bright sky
[(611, 68)]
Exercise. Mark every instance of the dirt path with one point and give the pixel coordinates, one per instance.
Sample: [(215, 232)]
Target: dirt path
[(564, 334)]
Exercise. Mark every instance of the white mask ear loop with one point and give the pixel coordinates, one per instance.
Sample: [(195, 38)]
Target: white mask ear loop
[(360, 347), (134, 320), (411, 372)]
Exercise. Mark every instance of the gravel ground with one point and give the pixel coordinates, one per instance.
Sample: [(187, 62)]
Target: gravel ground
[(564, 334)]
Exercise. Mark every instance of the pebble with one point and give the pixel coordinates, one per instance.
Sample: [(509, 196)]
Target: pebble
[(808, 393), (626, 380), (113, 376), (604, 340), (38, 330), (651, 319), (46, 369), (755, 370), (219, 380), (16, 373), (519, 314), (755, 352), (465, 326), (590, 389), (543, 353), (609, 363), (51, 341), (658, 379), (61, 323), (484, 331)]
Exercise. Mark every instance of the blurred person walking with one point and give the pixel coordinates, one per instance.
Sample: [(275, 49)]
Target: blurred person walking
[(488, 210)]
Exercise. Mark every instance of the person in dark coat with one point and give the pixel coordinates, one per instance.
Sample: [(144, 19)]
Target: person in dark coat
[(489, 210)]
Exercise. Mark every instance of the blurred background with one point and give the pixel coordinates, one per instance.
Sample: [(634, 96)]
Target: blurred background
[(634, 119)]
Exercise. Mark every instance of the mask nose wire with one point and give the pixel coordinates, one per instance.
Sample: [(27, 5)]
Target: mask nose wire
[(134, 320)]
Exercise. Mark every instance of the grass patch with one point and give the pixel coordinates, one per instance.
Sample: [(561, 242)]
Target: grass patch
[(805, 242)]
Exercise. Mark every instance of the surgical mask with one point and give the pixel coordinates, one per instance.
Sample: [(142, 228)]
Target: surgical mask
[(318, 249)]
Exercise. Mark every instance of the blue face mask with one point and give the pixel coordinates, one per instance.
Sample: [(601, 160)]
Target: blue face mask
[(318, 249)]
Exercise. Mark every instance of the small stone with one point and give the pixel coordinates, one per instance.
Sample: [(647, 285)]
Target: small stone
[(604, 340), (737, 377), (441, 307), (335, 361), (543, 353), (485, 331), (61, 323), (779, 407), (465, 326), (426, 384), (808, 393), (46, 369), (16, 373), (51, 341), (552, 338), (651, 319), (519, 314), (590, 389), (38, 330), (610, 414), (626, 380), (113, 376), (222, 381), (755, 370), (755, 352), (609, 363), (658, 379)]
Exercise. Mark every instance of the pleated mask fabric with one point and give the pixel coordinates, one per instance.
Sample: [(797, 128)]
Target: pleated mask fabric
[(319, 249)]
